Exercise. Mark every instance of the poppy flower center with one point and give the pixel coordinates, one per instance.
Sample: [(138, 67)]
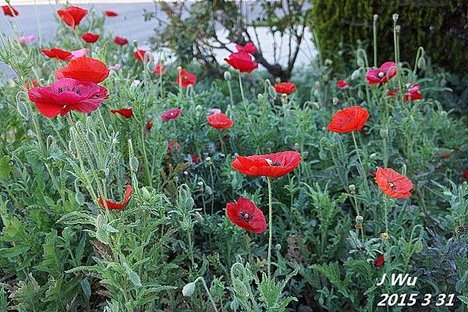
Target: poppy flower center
[(381, 74), (245, 216), (392, 185), (272, 163), (77, 90)]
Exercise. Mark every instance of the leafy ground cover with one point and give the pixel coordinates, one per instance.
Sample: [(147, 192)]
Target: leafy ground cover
[(130, 184)]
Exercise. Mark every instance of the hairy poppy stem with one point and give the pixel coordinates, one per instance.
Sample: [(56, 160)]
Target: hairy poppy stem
[(270, 226), (362, 171), (241, 89), (374, 32)]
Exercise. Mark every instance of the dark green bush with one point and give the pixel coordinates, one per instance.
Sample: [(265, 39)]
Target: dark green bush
[(438, 26)]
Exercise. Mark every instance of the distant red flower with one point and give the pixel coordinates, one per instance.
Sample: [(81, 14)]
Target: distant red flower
[(384, 73), (125, 112), (379, 261), (110, 13), (246, 215), (195, 159), (465, 174), (349, 119), (392, 92), (72, 15), (219, 121), (9, 10), (171, 114), (139, 55), (90, 37), (413, 93), (149, 124), (172, 145), (342, 84), (85, 69), (120, 41), (57, 54), (285, 87), (185, 79), (393, 184), (160, 69), (66, 95), (25, 40), (31, 85), (111, 205), (268, 165), (248, 48), (241, 61)]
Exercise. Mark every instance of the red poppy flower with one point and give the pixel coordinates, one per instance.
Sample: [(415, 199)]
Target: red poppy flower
[(195, 159), (9, 10), (67, 94), (110, 13), (246, 215), (57, 54), (393, 184), (241, 61), (465, 174), (269, 165), (185, 79), (413, 93), (171, 145), (72, 15), (349, 119), (90, 37), (139, 55), (379, 261), (120, 41), (171, 114), (149, 124), (384, 73), (392, 92), (160, 69), (285, 87), (341, 84), (126, 112), (248, 48), (219, 121), (111, 205), (85, 69)]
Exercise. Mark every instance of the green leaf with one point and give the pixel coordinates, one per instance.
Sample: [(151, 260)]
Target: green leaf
[(5, 167)]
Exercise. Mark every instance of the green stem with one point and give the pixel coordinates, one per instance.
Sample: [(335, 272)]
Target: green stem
[(362, 171), (145, 159), (241, 89), (208, 293), (374, 31), (230, 93), (270, 226)]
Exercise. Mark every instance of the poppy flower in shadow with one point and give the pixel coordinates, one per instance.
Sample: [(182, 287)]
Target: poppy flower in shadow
[(268, 165), (149, 124), (110, 13), (121, 41), (379, 261), (285, 87), (413, 93), (219, 121), (185, 79), (384, 73), (111, 205), (160, 69), (57, 54), (249, 47), (9, 10), (139, 55), (342, 84), (171, 114), (72, 16), (66, 95), (393, 184), (85, 69), (125, 112), (90, 37), (241, 61), (246, 215), (349, 119)]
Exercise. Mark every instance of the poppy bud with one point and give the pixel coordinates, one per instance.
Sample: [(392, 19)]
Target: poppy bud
[(336, 101), (23, 110), (384, 133), (356, 74), (385, 236), (395, 17), (359, 219), (376, 17), (227, 75), (277, 247), (352, 189), (397, 28), (188, 289), (328, 62), (373, 156)]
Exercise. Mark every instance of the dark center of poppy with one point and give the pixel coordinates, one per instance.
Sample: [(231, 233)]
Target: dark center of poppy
[(272, 163), (245, 216), (392, 185)]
